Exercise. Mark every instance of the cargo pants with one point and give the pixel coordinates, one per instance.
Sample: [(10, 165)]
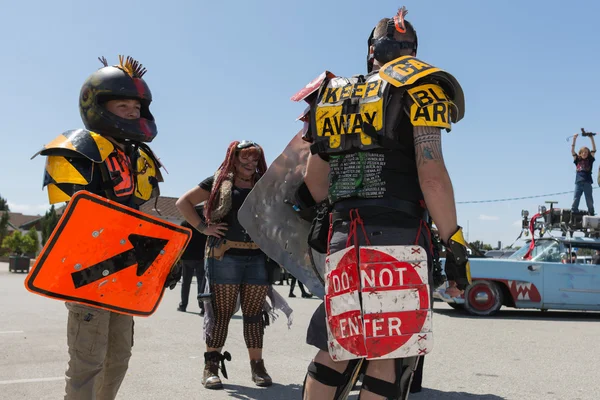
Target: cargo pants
[(100, 343)]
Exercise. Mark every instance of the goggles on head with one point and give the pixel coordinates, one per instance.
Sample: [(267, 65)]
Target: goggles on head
[(387, 48), (244, 144)]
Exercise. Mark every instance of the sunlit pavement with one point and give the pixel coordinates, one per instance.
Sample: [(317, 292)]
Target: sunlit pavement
[(513, 355)]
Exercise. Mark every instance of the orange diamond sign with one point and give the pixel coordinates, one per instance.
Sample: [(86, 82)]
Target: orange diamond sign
[(107, 255)]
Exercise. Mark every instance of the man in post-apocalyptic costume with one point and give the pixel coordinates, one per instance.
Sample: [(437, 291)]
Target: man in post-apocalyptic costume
[(374, 177), (110, 158)]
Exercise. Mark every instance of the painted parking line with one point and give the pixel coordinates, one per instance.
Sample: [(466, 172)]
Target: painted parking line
[(33, 380), (7, 332)]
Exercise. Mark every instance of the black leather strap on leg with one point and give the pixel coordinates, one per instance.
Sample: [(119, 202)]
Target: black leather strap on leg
[(380, 387), (325, 375)]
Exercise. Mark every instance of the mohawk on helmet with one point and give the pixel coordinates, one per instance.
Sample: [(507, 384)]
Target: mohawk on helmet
[(121, 81), (387, 48)]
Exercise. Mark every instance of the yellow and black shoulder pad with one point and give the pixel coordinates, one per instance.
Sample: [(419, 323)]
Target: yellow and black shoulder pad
[(424, 78), (80, 142), (64, 175)]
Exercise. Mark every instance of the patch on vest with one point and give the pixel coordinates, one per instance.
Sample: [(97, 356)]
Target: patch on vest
[(431, 106), (334, 118), (406, 71)]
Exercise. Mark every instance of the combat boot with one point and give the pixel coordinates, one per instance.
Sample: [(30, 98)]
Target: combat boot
[(259, 374), (210, 377)]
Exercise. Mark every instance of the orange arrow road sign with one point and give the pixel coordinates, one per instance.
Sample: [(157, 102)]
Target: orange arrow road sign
[(108, 255)]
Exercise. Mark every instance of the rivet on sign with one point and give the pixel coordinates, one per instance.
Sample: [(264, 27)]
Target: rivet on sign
[(105, 272), (122, 241), (95, 234), (139, 284), (77, 267), (162, 252)]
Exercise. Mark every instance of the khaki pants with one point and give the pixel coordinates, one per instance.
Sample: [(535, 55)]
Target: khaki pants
[(100, 343)]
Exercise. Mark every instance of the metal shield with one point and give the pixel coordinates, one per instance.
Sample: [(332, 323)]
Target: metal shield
[(378, 303), (271, 221)]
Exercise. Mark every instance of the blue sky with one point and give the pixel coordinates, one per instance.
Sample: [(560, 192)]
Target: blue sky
[(221, 71)]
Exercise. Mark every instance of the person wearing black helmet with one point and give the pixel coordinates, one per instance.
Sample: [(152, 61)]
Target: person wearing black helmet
[(376, 158), (110, 158)]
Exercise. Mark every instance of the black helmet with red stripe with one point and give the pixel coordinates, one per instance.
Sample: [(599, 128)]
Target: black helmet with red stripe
[(123, 81)]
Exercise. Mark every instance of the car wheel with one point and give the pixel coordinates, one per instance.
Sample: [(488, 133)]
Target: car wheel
[(483, 298)]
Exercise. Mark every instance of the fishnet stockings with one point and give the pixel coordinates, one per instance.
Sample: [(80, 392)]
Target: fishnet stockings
[(224, 302), (253, 299)]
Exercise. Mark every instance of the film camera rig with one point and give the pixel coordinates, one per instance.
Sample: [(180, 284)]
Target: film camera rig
[(563, 219)]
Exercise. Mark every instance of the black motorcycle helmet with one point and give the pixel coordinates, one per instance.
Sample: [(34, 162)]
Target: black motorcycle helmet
[(387, 48), (123, 81)]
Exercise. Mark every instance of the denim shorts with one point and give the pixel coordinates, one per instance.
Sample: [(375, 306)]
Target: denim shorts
[(237, 269)]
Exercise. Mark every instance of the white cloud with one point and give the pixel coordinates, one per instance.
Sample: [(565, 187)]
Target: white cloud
[(484, 217), (29, 209)]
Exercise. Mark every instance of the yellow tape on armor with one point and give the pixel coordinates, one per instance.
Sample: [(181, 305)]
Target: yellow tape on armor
[(146, 169), (62, 171), (331, 122), (459, 238), (105, 147), (362, 90), (431, 106), (406, 70), (55, 195), (79, 142)]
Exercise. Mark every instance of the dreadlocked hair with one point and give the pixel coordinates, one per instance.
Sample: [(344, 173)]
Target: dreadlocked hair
[(227, 171)]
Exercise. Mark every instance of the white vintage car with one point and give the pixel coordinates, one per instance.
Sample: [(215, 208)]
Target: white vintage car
[(547, 280)]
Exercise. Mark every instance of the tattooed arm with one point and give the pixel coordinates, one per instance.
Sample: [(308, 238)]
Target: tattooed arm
[(434, 180)]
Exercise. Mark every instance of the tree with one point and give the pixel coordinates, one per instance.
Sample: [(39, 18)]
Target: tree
[(49, 222), (4, 204), (478, 244), (33, 234), (3, 220), (19, 244)]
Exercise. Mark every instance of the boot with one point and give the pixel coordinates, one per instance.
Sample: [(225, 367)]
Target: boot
[(259, 373), (210, 378)]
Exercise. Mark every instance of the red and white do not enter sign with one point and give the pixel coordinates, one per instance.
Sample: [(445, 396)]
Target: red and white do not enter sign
[(380, 307)]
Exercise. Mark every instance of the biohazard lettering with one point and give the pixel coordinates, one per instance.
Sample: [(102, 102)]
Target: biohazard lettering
[(363, 90), (431, 106), (406, 71)]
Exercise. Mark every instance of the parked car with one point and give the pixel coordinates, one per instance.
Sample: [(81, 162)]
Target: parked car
[(543, 278), (499, 253)]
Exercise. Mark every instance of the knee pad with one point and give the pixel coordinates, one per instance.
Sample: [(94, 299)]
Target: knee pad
[(325, 375), (405, 368)]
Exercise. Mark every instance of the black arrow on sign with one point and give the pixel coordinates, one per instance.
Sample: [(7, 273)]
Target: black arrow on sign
[(144, 252)]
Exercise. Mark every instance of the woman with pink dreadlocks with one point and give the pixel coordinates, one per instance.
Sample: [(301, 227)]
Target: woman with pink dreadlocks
[(235, 267)]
